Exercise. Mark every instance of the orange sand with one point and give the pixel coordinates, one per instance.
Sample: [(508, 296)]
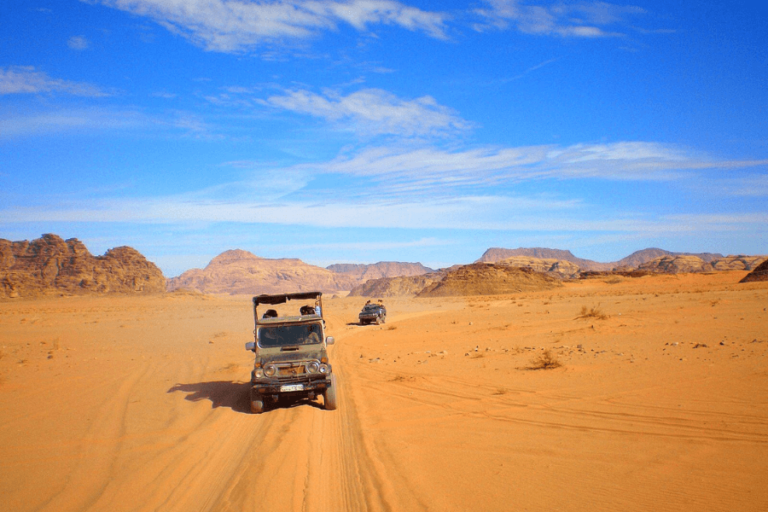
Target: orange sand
[(141, 404)]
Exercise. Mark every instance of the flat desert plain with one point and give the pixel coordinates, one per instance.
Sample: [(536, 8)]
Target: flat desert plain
[(141, 404)]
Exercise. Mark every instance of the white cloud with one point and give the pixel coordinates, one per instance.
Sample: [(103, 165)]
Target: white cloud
[(95, 120), (78, 43), (375, 112), (407, 170), (239, 25), (587, 19), (27, 80)]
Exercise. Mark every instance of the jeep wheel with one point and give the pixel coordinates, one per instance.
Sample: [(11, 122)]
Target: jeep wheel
[(329, 396), (383, 319), (257, 403)]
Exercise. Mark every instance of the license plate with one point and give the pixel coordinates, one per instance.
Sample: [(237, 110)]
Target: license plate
[(291, 387)]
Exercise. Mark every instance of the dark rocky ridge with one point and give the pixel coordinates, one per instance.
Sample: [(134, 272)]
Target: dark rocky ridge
[(50, 265), (760, 273)]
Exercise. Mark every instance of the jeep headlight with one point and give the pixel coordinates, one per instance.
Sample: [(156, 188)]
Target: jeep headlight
[(270, 370), (325, 369), (258, 373), (313, 367)]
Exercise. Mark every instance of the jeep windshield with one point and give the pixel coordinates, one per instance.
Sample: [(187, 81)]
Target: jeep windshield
[(371, 307), (290, 335)]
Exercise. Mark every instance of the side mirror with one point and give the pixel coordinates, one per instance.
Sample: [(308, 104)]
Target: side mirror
[(329, 340), (251, 345)]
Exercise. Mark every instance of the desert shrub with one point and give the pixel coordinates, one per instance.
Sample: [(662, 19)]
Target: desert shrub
[(593, 312), (391, 327), (545, 361)]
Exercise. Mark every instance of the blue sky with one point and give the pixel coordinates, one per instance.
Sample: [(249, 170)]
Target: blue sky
[(370, 130)]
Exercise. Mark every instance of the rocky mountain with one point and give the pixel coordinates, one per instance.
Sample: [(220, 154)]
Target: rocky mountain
[(496, 254), (402, 286), (241, 272), (637, 258), (50, 265), (634, 260), (556, 268), (676, 265), (379, 270), (739, 262), (489, 279), (760, 273)]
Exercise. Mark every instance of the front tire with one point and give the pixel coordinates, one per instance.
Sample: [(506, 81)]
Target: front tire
[(329, 396), (257, 403)]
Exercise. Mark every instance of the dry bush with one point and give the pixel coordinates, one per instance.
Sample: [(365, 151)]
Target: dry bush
[(613, 280), (391, 327), (593, 312), (545, 361)]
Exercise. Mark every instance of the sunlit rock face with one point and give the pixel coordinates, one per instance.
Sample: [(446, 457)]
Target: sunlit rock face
[(51, 265)]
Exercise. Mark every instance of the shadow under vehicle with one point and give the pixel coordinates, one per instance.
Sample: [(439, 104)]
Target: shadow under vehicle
[(291, 353), (373, 312)]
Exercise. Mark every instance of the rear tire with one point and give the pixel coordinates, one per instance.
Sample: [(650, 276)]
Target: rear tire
[(329, 396)]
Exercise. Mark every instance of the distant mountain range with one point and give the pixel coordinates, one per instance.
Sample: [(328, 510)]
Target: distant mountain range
[(634, 260), (378, 270), (53, 265), (241, 272)]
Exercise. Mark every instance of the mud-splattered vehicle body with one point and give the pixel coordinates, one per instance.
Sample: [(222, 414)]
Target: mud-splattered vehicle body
[(373, 312), (291, 353)]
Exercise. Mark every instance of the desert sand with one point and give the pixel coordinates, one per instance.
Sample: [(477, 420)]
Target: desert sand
[(141, 403)]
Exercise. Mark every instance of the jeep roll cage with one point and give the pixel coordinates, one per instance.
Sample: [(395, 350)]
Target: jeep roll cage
[(282, 299)]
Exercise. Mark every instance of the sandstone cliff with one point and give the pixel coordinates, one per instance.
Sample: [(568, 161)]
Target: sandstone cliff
[(739, 262), (556, 268), (241, 272), (676, 265), (496, 254), (403, 286), (363, 272), (50, 265), (489, 279), (634, 260)]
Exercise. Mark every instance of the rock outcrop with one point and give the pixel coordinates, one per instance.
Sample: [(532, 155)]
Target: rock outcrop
[(363, 272), (556, 268), (51, 265), (403, 286), (739, 262), (496, 254), (241, 272), (759, 273), (676, 265), (634, 260), (489, 279)]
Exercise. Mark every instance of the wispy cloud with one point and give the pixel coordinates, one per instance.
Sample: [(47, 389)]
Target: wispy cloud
[(97, 120), (27, 80), (584, 19), (78, 43), (406, 170), (375, 112), (239, 25)]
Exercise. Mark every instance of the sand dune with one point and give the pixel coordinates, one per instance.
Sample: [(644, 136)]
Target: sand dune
[(140, 403)]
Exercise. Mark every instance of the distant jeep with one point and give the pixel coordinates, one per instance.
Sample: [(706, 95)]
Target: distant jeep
[(291, 357), (373, 312)]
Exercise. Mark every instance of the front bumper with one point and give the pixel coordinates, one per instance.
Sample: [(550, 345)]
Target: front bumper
[(309, 384)]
